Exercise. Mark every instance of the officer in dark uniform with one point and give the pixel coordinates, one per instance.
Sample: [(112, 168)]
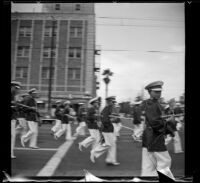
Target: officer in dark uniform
[(154, 152), (92, 118), (108, 134), (15, 87), (32, 119)]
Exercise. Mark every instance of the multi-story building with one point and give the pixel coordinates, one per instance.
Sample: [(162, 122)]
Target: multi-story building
[(62, 34)]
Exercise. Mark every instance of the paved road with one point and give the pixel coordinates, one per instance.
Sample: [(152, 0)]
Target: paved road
[(49, 157)]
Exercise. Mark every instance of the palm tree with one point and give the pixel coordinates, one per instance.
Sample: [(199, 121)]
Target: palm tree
[(107, 74)]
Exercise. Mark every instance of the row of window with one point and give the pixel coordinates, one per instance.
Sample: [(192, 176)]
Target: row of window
[(24, 51), (75, 32), (73, 73), (77, 7)]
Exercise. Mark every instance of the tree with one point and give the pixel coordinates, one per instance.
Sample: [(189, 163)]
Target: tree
[(107, 73)]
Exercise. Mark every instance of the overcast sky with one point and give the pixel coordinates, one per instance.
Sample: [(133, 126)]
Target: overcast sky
[(151, 27)]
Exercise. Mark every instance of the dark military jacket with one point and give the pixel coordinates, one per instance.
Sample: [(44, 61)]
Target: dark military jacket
[(31, 114), (81, 116), (154, 134), (59, 112), (105, 118), (65, 118), (14, 108), (22, 110), (115, 113), (137, 115), (92, 118)]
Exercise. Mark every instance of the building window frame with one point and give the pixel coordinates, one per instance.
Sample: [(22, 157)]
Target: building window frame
[(47, 52), (48, 31), (75, 52), (45, 72), (25, 31), (57, 7), (23, 51), (21, 72), (76, 32), (74, 73), (77, 7)]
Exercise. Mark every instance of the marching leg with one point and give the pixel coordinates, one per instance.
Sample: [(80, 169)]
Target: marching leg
[(60, 132), (163, 160), (29, 134), (177, 143), (68, 132), (33, 140), (13, 135), (148, 163)]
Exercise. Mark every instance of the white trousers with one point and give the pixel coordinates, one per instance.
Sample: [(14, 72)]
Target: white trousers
[(57, 126), (13, 135), (80, 130), (93, 139), (117, 128), (22, 128), (153, 161), (109, 147), (176, 142), (65, 128), (32, 134)]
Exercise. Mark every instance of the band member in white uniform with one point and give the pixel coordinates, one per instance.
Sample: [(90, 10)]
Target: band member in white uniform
[(108, 133), (66, 126), (58, 115), (15, 87), (92, 119), (32, 120), (116, 121), (155, 156)]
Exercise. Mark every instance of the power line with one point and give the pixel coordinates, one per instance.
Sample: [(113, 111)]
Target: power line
[(132, 25), (112, 50), (127, 18)]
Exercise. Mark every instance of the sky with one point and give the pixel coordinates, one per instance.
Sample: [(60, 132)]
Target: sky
[(127, 40)]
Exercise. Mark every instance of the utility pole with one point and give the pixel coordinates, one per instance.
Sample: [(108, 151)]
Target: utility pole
[(51, 66)]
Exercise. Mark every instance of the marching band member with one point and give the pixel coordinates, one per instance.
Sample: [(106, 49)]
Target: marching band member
[(137, 121), (154, 152), (32, 120), (66, 127), (22, 127), (92, 118), (15, 87), (108, 134), (81, 117), (116, 121), (58, 115)]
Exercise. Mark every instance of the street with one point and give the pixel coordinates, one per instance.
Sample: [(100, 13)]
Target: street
[(63, 158)]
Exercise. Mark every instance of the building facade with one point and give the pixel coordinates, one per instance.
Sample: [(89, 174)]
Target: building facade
[(61, 37)]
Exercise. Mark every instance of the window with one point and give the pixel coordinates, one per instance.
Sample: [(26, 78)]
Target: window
[(75, 31), (45, 72), (21, 72), (74, 73), (25, 31), (57, 6), (23, 51), (78, 7), (47, 53), (75, 52), (48, 31)]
